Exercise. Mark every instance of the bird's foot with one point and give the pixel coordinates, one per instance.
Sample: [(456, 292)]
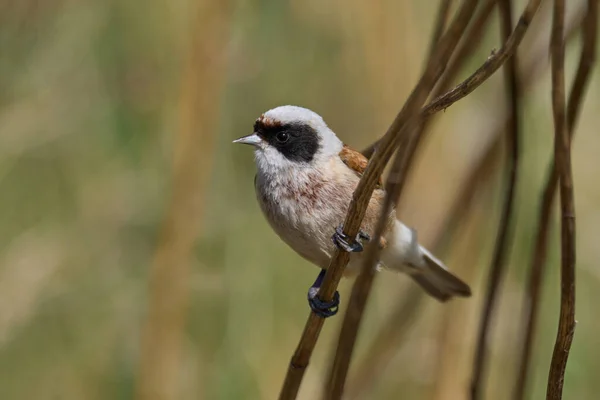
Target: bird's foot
[(342, 241), (323, 309)]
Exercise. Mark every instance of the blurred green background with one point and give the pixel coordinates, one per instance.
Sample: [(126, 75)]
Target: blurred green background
[(134, 261)]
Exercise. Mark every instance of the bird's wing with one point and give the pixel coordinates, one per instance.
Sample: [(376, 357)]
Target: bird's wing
[(356, 162)]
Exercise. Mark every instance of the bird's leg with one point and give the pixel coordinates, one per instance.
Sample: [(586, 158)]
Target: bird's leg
[(328, 309), (341, 240), (323, 309)]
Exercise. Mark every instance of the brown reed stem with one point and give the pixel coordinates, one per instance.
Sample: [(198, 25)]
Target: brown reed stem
[(487, 69), (439, 25), (502, 246), (466, 47), (410, 136), (162, 334), (535, 62), (491, 65), (562, 157), (391, 335), (538, 263)]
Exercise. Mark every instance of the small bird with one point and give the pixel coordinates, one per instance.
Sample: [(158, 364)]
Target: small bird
[(304, 183)]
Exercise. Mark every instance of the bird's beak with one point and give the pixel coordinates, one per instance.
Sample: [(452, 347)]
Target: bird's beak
[(253, 140)]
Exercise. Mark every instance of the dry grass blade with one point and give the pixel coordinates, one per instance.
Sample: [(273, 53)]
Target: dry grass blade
[(406, 120), (502, 246), (410, 135), (562, 156), (532, 295), (159, 366)]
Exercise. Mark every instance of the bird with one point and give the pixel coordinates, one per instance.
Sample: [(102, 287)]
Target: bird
[(304, 182)]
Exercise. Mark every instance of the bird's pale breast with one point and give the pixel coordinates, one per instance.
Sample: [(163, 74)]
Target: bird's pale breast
[(305, 207)]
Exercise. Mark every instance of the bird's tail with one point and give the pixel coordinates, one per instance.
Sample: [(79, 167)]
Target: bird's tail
[(437, 280), (406, 255)]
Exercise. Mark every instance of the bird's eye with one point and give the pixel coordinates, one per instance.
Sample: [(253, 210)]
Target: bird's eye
[(282, 137)]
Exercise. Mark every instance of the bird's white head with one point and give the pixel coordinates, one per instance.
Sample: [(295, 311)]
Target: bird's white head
[(289, 137)]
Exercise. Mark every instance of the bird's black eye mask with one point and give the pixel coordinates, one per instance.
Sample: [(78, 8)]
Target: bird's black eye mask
[(296, 141)]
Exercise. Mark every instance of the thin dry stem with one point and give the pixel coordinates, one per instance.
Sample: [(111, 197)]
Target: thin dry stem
[(487, 69), (491, 65), (383, 346), (468, 44), (410, 135), (538, 264), (536, 63), (391, 335), (586, 62), (562, 156), (440, 25), (466, 47), (160, 358), (502, 246)]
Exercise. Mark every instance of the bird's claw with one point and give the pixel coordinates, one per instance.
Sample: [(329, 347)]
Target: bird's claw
[(323, 309), (341, 240), (364, 236)]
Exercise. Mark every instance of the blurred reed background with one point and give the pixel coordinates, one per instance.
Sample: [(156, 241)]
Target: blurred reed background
[(134, 261)]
